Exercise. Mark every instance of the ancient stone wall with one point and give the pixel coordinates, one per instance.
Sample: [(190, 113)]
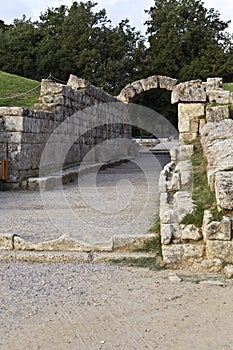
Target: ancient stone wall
[(24, 132), (204, 113)]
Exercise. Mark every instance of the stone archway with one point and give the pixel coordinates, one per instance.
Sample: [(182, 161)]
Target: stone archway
[(130, 91)]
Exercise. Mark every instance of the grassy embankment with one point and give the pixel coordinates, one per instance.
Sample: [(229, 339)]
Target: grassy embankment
[(13, 85)]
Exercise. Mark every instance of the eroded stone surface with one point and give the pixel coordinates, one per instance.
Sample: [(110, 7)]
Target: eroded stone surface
[(175, 253), (224, 189), (190, 233), (217, 113), (220, 250), (191, 91)]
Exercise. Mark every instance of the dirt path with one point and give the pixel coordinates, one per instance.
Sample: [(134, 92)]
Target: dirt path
[(117, 200), (89, 307)]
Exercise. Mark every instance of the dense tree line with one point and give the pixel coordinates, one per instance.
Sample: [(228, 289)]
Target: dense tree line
[(186, 41)]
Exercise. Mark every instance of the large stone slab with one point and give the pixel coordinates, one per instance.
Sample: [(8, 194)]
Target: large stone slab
[(224, 189), (217, 143), (191, 91), (220, 249), (189, 115), (177, 253)]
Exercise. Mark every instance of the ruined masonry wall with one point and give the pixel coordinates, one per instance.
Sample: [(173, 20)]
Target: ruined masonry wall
[(204, 112), (24, 132)]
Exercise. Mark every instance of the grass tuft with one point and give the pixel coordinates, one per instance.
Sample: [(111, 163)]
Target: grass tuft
[(228, 86), (202, 196)]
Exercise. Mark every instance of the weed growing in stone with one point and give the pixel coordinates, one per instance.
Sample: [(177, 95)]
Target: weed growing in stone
[(202, 195)]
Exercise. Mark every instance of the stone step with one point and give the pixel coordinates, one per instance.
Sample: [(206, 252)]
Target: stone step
[(65, 243), (77, 257)]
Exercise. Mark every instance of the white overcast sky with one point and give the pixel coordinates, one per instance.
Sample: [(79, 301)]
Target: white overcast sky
[(116, 9)]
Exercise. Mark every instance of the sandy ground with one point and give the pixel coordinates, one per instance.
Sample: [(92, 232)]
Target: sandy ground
[(120, 200), (101, 306)]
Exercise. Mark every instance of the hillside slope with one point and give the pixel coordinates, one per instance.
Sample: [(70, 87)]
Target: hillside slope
[(13, 89)]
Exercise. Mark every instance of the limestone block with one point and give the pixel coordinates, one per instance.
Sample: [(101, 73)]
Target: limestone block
[(166, 82), (220, 250), (13, 111), (48, 87), (166, 231), (217, 113), (188, 116), (228, 271), (150, 83), (76, 82), (190, 233), (191, 91), (166, 211), (187, 136), (176, 181), (219, 96), (185, 170), (213, 265), (215, 230), (162, 182), (182, 152), (184, 204), (6, 241), (217, 143), (214, 84), (224, 189), (176, 253), (14, 123), (137, 87)]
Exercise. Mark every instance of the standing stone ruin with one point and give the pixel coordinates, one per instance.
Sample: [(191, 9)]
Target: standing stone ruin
[(24, 132), (203, 113)]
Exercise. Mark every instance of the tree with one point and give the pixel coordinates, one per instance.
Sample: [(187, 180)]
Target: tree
[(18, 47), (186, 40)]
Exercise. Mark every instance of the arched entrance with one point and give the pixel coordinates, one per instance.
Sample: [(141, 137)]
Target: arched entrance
[(153, 92)]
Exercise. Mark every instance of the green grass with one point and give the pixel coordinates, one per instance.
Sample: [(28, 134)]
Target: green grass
[(228, 86), (202, 196), (152, 245), (148, 263), (11, 85)]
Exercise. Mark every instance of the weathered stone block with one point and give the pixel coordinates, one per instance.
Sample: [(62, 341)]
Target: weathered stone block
[(216, 137), (150, 83), (170, 233), (137, 87), (166, 82), (185, 170), (188, 116), (217, 113), (224, 189), (191, 91), (182, 152), (166, 211), (218, 230), (166, 232), (214, 84), (184, 203), (190, 233), (219, 96), (220, 250), (177, 253)]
